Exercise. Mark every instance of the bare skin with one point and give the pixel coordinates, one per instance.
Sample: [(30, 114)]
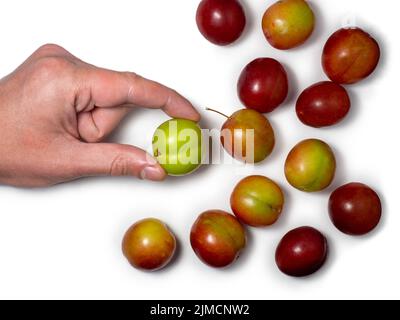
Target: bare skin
[(56, 109)]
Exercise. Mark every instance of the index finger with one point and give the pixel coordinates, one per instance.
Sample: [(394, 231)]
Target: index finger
[(112, 89)]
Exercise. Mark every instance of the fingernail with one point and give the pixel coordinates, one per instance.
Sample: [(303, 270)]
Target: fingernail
[(152, 173)]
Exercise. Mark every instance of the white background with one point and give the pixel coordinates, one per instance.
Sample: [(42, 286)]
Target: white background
[(64, 242)]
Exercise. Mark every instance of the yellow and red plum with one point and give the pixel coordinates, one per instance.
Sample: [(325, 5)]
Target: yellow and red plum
[(149, 245), (248, 136), (288, 23), (350, 55), (310, 166), (217, 238), (257, 201)]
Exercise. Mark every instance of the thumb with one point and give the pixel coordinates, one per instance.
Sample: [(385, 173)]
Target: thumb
[(108, 159)]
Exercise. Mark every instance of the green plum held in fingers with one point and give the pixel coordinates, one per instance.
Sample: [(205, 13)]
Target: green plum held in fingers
[(177, 146), (310, 166)]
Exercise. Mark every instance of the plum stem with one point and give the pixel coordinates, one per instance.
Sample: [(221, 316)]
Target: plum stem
[(216, 111)]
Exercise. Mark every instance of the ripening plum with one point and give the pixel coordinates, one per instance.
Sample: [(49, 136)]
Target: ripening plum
[(288, 23), (149, 245), (217, 238), (257, 201), (310, 166), (248, 136), (350, 55)]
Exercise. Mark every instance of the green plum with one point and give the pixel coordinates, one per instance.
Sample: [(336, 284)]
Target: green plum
[(177, 146), (257, 201), (310, 166)]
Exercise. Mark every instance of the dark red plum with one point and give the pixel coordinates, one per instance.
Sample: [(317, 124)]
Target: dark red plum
[(301, 252), (355, 209), (263, 85), (323, 104), (221, 21)]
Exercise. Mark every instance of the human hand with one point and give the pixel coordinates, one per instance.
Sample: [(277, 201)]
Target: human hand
[(56, 109)]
